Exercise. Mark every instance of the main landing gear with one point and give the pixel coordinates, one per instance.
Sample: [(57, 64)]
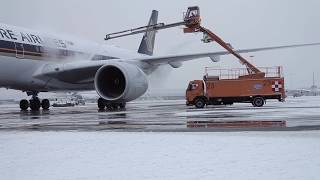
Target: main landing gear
[(111, 106), (34, 103)]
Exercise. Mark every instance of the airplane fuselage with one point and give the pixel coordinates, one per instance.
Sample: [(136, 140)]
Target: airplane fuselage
[(23, 52)]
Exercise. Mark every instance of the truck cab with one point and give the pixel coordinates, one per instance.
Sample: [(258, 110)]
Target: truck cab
[(195, 90)]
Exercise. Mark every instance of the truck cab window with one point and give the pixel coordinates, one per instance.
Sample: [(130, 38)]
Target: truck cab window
[(192, 86), (189, 87)]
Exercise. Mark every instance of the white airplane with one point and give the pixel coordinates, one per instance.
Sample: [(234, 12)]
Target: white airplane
[(36, 62)]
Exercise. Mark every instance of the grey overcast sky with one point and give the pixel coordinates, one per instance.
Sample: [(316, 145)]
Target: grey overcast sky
[(243, 23)]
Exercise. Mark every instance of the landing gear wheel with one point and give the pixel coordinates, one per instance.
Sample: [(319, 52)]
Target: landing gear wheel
[(258, 102), (35, 104), (101, 104), (199, 103), (122, 105), (24, 104), (109, 107), (45, 104), (115, 106)]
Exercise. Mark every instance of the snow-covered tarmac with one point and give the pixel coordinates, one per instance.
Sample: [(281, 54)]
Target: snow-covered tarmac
[(82, 143), (141, 155), (162, 115)]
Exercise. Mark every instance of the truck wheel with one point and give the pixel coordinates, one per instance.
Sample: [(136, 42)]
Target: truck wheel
[(258, 102), (199, 103)]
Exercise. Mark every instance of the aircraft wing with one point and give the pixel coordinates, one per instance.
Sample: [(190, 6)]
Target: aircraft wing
[(180, 58), (84, 71)]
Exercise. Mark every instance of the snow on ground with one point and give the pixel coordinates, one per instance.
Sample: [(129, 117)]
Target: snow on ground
[(111, 155), (300, 109)]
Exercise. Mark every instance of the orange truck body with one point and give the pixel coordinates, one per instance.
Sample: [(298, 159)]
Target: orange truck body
[(232, 87)]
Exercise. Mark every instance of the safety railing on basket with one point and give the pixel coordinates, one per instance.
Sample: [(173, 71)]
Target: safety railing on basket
[(235, 73)]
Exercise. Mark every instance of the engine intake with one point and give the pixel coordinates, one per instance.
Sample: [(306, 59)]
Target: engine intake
[(120, 81)]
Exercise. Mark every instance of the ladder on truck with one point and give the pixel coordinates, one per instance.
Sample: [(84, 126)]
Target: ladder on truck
[(192, 23)]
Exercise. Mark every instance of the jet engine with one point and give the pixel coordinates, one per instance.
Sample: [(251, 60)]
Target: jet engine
[(119, 81)]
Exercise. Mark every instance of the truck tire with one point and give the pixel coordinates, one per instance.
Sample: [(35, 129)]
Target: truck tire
[(199, 103), (258, 102)]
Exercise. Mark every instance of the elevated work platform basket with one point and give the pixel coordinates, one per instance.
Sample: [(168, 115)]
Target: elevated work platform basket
[(235, 73)]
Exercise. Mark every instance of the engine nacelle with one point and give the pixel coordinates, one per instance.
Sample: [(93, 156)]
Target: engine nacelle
[(120, 81)]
